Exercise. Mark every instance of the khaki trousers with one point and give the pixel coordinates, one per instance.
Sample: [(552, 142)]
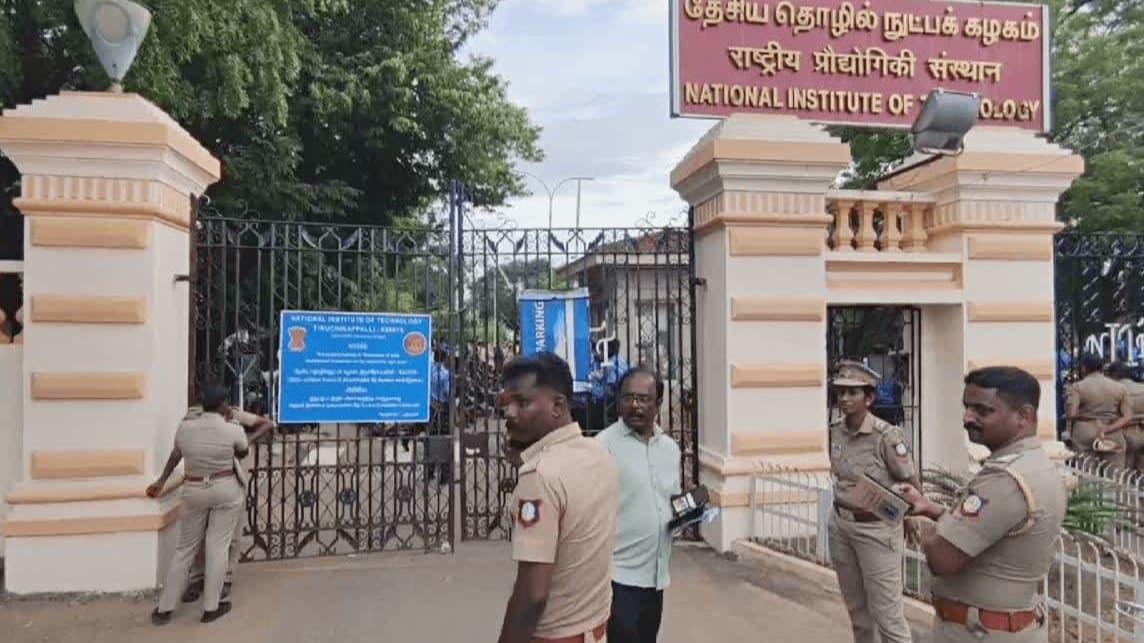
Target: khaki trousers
[(944, 632), (1082, 435), (1134, 437), (868, 559), (232, 556), (210, 511)]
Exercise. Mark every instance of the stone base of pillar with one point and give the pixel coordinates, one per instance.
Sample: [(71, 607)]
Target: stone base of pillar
[(87, 562), (92, 537)]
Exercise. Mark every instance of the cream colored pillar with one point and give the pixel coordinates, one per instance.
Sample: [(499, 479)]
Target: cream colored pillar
[(996, 208), (105, 191), (757, 184)]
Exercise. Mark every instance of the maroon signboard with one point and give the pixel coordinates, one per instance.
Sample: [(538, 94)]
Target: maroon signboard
[(862, 63)]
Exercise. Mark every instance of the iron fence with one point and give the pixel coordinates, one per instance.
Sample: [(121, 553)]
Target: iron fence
[(640, 289), (888, 340), (329, 489), (1092, 590), (1099, 294), (1114, 502)]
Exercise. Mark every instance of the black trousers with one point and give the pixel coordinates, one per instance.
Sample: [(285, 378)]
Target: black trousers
[(636, 614)]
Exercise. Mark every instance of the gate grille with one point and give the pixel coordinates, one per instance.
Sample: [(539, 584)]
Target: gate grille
[(640, 291), (331, 489), (1099, 303), (888, 340)]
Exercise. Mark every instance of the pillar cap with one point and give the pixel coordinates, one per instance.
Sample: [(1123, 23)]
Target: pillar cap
[(104, 125)]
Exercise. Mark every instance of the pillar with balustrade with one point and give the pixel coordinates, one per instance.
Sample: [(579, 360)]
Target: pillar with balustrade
[(966, 240)]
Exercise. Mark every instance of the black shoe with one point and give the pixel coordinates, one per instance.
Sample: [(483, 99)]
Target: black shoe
[(160, 618), (193, 593), (209, 617)]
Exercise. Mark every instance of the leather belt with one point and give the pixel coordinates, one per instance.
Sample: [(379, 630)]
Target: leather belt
[(598, 633), (957, 612), (855, 516), (213, 476)]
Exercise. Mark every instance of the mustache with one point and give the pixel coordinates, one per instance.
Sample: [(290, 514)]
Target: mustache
[(972, 426)]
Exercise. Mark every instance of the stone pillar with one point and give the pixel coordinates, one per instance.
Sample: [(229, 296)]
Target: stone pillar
[(106, 188), (996, 209), (758, 186)]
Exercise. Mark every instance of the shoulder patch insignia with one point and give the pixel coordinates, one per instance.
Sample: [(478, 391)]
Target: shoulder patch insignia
[(972, 505), (900, 450), (528, 512)]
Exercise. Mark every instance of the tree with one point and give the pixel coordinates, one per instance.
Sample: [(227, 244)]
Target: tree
[(1098, 106), (319, 109)]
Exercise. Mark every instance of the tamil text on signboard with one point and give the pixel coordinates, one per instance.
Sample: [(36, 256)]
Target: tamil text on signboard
[(354, 367), (865, 63)]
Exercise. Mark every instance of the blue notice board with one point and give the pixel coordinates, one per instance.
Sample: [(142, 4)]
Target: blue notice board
[(354, 367), (557, 322)]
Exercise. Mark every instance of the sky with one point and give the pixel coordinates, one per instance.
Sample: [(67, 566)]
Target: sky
[(594, 75)]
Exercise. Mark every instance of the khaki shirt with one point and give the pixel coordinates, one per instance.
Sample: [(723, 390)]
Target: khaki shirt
[(1135, 398), (1099, 398), (244, 419), (565, 506), (208, 443), (990, 521), (877, 448)]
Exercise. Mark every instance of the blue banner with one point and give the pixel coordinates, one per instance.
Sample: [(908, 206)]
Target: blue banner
[(354, 367), (558, 322)]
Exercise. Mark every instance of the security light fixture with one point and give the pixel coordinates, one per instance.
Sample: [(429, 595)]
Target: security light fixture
[(115, 28), (945, 119)]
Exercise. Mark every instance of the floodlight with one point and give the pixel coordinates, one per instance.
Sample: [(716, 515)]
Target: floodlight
[(945, 119), (115, 28)]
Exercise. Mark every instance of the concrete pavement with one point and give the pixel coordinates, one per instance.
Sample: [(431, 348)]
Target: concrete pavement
[(431, 598)]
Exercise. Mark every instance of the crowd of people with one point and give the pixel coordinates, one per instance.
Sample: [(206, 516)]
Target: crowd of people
[(1105, 413), (593, 551)]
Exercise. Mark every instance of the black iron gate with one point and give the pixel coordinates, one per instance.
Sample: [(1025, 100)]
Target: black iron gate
[(888, 340), (335, 489), (640, 287), (1099, 303), (330, 489)]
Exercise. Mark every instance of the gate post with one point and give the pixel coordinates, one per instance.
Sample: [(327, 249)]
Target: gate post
[(995, 209), (105, 191), (758, 186)]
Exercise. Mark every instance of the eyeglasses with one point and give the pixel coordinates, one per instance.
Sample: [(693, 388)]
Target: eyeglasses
[(632, 398)]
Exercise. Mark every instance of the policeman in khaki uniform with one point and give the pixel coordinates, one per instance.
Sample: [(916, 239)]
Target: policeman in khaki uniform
[(256, 426), (1098, 408), (990, 552), (563, 511), (212, 497), (1134, 432), (866, 552)]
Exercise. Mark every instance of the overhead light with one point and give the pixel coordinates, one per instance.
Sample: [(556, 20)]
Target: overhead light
[(115, 28), (945, 119)]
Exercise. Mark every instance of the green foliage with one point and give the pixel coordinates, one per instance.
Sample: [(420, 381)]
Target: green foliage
[(1098, 111), (320, 109)]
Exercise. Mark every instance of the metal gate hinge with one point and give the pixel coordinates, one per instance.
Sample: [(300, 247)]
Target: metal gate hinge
[(186, 278), (699, 281)]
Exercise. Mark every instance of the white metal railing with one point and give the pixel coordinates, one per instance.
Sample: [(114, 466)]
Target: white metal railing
[(1093, 591), (1120, 493)]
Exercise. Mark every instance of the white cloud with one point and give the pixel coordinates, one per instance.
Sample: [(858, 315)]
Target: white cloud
[(593, 74)]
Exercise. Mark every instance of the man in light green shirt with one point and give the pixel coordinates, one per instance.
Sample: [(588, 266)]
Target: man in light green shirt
[(649, 464)]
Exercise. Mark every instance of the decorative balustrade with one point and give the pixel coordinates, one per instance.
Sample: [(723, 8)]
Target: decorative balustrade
[(872, 221)]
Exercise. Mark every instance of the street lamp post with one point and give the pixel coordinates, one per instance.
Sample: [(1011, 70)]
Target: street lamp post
[(552, 193), (551, 198)]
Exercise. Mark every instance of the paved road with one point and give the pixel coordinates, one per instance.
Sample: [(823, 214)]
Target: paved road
[(434, 598)]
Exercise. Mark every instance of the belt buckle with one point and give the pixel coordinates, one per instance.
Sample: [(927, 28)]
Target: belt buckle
[(846, 513)]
